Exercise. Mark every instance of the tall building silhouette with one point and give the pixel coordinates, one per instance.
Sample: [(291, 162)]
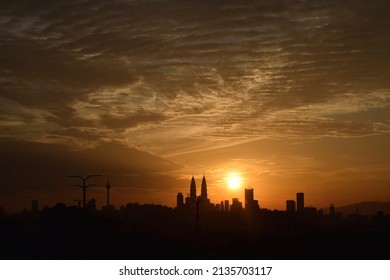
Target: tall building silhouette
[(300, 202), (248, 198), (203, 193), (227, 206), (290, 205), (236, 205), (204, 205), (179, 201), (108, 187), (222, 207), (191, 200), (193, 190), (250, 204)]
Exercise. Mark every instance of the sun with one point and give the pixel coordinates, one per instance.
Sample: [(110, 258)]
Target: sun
[(234, 181)]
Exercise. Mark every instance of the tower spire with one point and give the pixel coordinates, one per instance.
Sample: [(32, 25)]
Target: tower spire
[(108, 187), (203, 193), (193, 189)]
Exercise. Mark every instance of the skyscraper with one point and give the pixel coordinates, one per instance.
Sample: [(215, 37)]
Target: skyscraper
[(179, 201), (227, 206), (108, 187), (236, 205), (300, 202), (248, 198), (203, 193), (193, 190)]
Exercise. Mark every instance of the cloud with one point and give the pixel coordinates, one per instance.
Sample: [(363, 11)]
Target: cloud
[(44, 167), (135, 119), (196, 70)]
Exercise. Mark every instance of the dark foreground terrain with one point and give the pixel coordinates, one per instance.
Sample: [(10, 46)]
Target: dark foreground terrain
[(157, 232)]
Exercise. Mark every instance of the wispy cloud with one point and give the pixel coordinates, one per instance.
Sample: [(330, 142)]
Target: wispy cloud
[(157, 73)]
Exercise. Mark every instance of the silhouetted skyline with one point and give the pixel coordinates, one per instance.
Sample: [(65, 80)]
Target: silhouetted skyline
[(195, 229), (194, 200)]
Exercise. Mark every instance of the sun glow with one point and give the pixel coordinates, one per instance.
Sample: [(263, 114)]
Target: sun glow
[(234, 181)]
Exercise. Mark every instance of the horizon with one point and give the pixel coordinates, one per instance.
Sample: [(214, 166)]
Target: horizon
[(280, 96), (101, 202)]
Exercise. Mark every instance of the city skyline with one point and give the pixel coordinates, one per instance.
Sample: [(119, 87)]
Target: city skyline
[(284, 96), (197, 197), (197, 229)]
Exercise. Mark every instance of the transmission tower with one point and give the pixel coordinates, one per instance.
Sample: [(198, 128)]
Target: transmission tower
[(84, 186)]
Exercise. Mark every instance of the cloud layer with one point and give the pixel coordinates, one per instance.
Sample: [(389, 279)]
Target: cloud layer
[(154, 73)]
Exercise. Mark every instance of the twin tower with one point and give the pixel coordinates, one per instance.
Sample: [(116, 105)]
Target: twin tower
[(203, 191), (190, 201)]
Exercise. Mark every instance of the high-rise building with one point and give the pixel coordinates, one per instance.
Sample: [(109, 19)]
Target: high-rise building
[(248, 198), (300, 202), (203, 193), (236, 205), (227, 206), (290, 205), (222, 208), (179, 201), (204, 204), (108, 187), (193, 190)]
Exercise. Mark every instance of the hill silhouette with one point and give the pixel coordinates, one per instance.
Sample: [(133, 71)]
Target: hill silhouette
[(367, 208)]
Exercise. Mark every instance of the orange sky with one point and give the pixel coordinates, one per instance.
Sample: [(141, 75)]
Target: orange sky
[(294, 96)]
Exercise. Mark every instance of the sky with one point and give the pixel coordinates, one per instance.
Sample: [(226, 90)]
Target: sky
[(290, 96)]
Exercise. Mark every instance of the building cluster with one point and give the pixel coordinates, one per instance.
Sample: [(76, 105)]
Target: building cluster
[(194, 203), (299, 205), (202, 203)]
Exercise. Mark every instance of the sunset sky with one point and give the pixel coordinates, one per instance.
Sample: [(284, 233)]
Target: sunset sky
[(291, 96)]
